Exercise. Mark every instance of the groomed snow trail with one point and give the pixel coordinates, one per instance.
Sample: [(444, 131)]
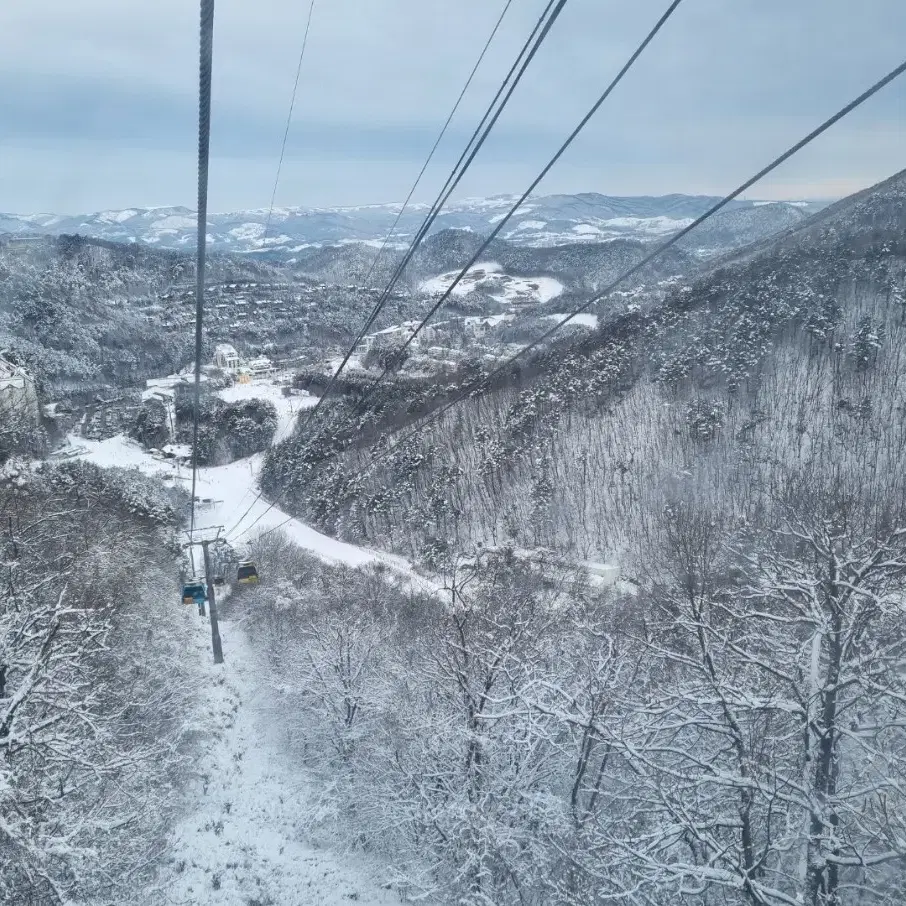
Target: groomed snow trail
[(241, 844)]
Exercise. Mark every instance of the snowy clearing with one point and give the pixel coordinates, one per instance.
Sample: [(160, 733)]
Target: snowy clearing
[(241, 842), (490, 279), (288, 407), (242, 839), (229, 494), (231, 490)]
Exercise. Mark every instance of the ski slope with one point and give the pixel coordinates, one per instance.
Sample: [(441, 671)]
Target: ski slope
[(229, 497), (229, 494)]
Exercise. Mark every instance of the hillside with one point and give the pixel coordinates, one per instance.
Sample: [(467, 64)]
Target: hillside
[(648, 612), (84, 313), (672, 554), (718, 379), (577, 265)]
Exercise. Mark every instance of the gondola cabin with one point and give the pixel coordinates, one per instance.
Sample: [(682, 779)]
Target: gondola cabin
[(193, 592), (247, 574)]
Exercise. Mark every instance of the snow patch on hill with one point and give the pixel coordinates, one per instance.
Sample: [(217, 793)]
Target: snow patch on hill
[(489, 279), (583, 319), (174, 222)]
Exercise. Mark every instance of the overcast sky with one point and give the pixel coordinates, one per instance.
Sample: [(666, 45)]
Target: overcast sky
[(97, 99)]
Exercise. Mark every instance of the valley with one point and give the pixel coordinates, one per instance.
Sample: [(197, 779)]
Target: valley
[(521, 633)]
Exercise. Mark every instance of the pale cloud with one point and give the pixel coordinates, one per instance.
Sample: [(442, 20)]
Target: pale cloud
[(97, 98)]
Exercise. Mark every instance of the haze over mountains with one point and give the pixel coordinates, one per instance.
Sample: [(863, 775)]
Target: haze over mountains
[(542, 221)]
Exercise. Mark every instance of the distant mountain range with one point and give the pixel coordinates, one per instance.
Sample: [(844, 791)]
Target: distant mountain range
[(543, 221)]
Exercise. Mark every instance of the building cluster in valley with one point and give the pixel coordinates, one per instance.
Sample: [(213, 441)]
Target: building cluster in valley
[(269, 316), (240, 305), (228, 359)]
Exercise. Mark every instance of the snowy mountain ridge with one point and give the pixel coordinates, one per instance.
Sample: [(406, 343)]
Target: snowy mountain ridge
[(543, 221)]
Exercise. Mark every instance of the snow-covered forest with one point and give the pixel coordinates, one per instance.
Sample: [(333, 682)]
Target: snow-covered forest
[(713, 728), (622, 626), (96, 707)]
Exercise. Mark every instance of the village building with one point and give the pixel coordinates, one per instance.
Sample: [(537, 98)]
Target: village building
[(225, 356), (18, 396)]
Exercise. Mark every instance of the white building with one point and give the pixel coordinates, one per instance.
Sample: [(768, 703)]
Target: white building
[(225, 356), (398, 334), (262, 367), (18, 397)]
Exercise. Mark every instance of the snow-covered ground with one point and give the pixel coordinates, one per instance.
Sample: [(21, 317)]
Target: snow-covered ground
[(242, 842), (288, 407), (489, 278), (583, 319), (231, 493)]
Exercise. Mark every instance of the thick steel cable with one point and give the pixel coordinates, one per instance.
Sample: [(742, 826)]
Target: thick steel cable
[(718, 206), (205, 65), (479, 136), (376, 310), (289, 119), (462, 165)]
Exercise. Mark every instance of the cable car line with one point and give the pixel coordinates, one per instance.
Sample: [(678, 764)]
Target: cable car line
[(479, 136), (206, 53), (270, 211), (194, 589), (551, 163), (530, 47), (714, 209), (289, 119), (370, 320)]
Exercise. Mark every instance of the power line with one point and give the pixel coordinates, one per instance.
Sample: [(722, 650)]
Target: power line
[(206, 53), (289, 119)]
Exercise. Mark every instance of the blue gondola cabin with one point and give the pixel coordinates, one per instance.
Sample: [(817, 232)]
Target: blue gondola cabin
[(194, 592)]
